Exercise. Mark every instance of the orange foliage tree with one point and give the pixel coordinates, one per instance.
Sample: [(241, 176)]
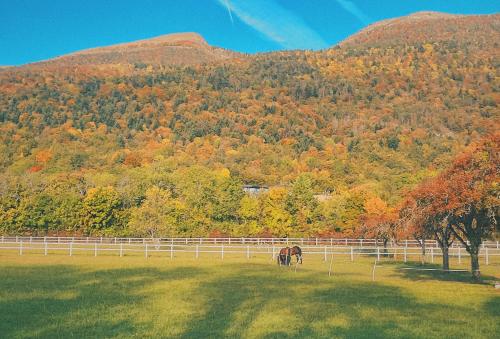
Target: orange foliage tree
[(474, 203), (462, 202), (378, 221)]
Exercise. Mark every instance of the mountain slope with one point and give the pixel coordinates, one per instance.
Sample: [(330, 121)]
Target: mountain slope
[(170, 49), (422, 27), (369, 118)]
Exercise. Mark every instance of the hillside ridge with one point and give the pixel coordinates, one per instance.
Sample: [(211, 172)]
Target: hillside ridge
[(173, 39), (421, 27), (185, 48)]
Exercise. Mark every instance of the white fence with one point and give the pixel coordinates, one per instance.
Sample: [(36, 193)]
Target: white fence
[(235, 241), (220, 250)]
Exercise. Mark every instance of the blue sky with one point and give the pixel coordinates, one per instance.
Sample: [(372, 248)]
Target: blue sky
[(33, 30)]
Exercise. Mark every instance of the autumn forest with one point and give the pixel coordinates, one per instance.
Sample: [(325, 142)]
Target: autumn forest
[(344, 141)]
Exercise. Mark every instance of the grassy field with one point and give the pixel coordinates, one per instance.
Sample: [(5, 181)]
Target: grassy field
[(82, 296)]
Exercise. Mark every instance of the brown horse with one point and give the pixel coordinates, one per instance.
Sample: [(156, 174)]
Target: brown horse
[(285, 255), (297, 252)]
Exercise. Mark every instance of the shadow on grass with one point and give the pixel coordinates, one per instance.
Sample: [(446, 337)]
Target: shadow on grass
[(492, 306), (64, 301), (430, 271), (232, 300), (287, 305)]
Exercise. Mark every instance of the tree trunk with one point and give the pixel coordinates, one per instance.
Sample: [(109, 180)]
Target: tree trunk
[(423, 251), (446, 260), (474, 264), (385, 247)]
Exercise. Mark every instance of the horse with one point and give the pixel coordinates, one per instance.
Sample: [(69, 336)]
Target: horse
[(297, 252), (285, 255)]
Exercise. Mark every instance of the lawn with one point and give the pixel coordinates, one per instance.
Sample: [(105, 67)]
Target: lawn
[(108, 296)]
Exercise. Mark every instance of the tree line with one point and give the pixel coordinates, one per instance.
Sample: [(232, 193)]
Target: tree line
[(460, 204)]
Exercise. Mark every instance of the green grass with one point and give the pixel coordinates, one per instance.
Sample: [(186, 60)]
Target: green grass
[(108, 296)]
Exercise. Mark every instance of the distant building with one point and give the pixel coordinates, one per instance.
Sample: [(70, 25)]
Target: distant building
[(255, 189)]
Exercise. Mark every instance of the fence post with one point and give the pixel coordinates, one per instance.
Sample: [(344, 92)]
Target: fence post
[(373, 271), (45, 248), (497, 244), (352, 254), (331, 266), (378, 253), (248, 252), (405, 253), (21, 248), (361, 242), (406, 243), (325, 255), (432, 255), (222, 251), (70, 249), (146, 251), (172, 250), (121, 249), (197, 252), (95, 249)]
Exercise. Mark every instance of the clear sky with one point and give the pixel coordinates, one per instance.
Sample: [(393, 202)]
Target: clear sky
[(34, 30)]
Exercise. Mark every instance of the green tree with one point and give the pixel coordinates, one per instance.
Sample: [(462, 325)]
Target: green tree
[(159, 215), (102, 211), (250, 214), (37, 213), (228, 194), (276, 218), (301, 204)]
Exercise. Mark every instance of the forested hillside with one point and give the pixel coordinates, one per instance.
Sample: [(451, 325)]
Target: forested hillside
[(127, 147)]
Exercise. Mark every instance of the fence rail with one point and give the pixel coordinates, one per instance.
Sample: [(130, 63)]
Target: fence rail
[(248, 251), (234, 241)]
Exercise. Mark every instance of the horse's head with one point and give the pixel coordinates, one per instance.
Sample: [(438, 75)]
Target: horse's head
[(297, 251)]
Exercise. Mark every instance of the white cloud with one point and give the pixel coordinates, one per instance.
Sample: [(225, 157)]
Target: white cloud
[(354, 10), (276, 23), (226, 3)]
